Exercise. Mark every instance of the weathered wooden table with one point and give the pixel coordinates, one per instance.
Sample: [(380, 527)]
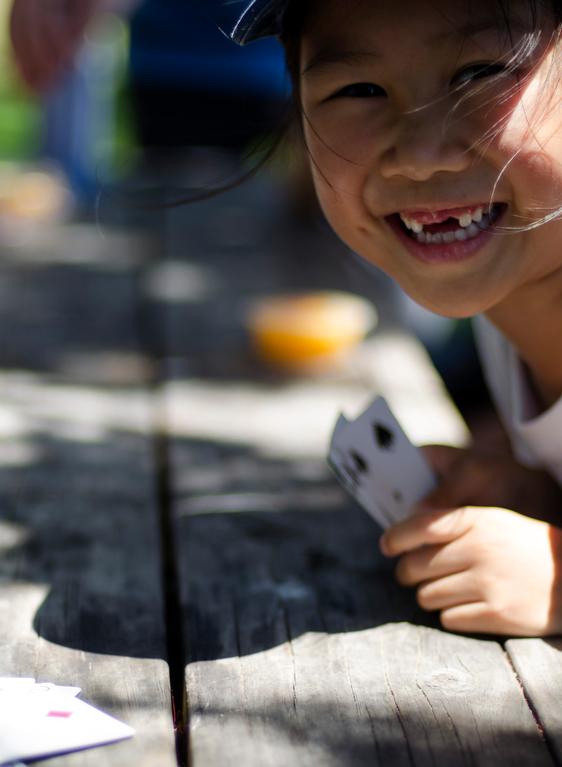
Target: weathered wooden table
[(171, 539)]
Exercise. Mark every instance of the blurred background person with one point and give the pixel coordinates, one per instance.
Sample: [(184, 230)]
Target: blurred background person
[(187, 84), (66, 54)]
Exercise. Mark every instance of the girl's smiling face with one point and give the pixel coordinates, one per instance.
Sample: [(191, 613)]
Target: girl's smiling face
[(408, 108)]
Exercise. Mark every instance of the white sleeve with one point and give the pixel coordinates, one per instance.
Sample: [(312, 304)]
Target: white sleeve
[(536, 435)]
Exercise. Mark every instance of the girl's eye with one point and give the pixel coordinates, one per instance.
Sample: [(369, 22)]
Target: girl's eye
[(479, 72), (360, 91)]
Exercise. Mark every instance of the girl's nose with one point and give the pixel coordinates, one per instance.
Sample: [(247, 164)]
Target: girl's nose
[(423, 146)]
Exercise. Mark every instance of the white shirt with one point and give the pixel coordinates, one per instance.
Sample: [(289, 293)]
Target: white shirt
[(536, 435)]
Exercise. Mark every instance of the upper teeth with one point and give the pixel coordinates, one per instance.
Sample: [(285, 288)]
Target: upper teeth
[(465, 220)]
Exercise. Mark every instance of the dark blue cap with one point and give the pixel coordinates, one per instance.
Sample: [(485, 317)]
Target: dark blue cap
[(247, 20)]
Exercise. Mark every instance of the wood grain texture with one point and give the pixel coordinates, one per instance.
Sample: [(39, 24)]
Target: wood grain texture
[(538, 663), (81, 593), (303, 650)]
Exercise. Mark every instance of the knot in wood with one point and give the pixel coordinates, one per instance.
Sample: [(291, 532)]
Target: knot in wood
[(450, 681)]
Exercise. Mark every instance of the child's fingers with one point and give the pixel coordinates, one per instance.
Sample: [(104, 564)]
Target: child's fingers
[(431, 562), (454, 590), (473, 616), (433, 527)]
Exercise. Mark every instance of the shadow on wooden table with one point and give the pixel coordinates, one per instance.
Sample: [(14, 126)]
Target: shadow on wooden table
[(271, 549), (302, 649), (89, 533), (85, 568)]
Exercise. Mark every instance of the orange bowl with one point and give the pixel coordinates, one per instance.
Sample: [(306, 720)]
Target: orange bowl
[(309, 329)]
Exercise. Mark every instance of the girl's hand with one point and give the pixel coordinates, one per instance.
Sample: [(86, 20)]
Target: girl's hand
[(471, 477), (486, 570), (46, 35)]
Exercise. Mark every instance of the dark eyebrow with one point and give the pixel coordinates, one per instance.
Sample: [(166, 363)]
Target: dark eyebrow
[(330, 56)]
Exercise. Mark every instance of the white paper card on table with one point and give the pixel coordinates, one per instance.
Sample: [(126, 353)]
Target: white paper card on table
[(46, 720), (47, 688), (14, 685), (377, 464)]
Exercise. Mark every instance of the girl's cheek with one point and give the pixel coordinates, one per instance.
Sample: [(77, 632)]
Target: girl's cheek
[(340, 156), (339, 193), (525, 119), (530, 147), (350, 130), (334, 176)]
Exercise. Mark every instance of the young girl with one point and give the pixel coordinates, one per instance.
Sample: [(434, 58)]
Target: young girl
[(434, 130)]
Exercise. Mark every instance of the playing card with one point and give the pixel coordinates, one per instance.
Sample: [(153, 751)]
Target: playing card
[(47, 688), (11, 688), (349, 461), (340, 424), (45, 720), (379, 466), (13, 685)]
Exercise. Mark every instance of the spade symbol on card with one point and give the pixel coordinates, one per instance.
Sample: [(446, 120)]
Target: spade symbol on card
[(360, 466), (359, 461), (383, 436)]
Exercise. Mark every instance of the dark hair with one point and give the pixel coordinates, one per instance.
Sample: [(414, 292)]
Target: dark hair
[(296, 15), (294, 22)]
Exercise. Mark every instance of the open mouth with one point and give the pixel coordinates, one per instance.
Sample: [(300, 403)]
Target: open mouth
[(457, 228)]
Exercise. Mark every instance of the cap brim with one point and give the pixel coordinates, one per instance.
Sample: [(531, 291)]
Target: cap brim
[(247, 21)]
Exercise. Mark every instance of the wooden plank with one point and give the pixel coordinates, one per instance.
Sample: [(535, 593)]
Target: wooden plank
[(302, 650), (67, 304), (538, 663), (81, 593)]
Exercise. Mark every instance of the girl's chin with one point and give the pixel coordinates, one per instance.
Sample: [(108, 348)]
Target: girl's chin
[(453, 301), (450, 301), (453, 296), (451, 307)]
